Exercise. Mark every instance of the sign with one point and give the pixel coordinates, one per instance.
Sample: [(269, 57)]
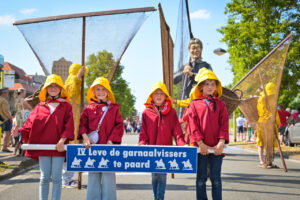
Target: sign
[(9, 78), (118, 158)]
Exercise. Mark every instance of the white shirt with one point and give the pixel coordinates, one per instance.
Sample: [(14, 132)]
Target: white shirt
[(240, 121)]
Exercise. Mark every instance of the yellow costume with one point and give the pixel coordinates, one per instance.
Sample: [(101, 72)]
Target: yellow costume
[(266, 107), (265, 115), (73, 86)]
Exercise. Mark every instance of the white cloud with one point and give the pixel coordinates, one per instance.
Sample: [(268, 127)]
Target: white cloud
[(7, 19), (28, 11), (200, 14)]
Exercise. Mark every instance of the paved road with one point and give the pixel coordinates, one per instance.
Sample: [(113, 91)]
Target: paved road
[(242, 179)]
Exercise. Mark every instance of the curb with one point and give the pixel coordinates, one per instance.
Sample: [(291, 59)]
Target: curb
[(17, 167), (293, 158)]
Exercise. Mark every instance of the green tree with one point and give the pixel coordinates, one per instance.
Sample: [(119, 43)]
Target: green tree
[(254, 28), (100, 65)]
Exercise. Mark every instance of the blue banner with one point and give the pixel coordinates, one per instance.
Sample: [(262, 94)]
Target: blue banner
[(118, 158)]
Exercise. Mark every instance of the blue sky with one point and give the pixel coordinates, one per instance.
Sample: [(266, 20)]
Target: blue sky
[(142, 60)]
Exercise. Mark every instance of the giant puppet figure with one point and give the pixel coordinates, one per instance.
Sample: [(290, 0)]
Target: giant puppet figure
[(73, 86), (188, 72)]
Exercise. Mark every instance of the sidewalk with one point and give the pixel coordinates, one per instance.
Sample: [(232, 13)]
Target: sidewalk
[(290, 153), (16, 164)]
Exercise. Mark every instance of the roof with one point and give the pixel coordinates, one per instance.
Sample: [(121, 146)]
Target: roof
[(28, 88), (22, 75), (19, 71)]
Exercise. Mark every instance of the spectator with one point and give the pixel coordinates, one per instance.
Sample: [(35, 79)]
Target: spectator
[(134, 123), (22, 111), (244, 135), (128, 128), (6, 122), (296, 114), (283, 115), (138, 126), (240, 122)]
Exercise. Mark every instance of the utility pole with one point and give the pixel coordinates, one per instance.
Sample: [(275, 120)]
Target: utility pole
[(2, 77), (1, 66)]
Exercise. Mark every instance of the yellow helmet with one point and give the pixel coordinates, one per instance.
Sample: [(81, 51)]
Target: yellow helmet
[(75, 67), (103, 82), (202, 75), (158, 85), (53, 78)]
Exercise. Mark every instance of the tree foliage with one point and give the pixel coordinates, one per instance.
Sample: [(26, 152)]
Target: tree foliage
[(254, 28), (100, 65)]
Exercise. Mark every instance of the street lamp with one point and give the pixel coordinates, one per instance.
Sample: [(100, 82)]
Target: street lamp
[(219, 51)]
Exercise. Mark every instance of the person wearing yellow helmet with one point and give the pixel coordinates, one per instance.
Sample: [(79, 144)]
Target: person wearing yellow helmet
[(208, 126), (53, 111), (73, 86), (159, 124), (101, 123), (266, 107)]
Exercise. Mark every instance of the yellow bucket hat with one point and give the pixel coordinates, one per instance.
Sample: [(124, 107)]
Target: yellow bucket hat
[(53, 78), (158, 85), (105, 83), (75, 67), (270, 89), (202, 75)]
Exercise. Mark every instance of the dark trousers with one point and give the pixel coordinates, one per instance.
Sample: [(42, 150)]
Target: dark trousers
[(215, 165)]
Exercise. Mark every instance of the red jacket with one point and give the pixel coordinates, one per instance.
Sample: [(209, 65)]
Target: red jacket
[(159, 131), (283, 114), (206, 124), (43, 128), (111, 127)]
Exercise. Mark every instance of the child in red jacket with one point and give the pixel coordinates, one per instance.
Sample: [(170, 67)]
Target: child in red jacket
[(159, 124), (50, 122), (208, 128), (101, 123)]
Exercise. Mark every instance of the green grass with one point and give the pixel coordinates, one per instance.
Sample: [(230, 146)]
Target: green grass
[(230, 125), (3, 166)]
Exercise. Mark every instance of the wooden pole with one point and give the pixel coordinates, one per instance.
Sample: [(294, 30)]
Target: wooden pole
[(188, 16), (89, 14), (234, 127), (82, 86)]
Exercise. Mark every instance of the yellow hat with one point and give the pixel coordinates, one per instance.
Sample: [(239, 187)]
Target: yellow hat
[(105, 83), (270, 89), (202, 75), (75, 67), (53, 78), (158, 85)]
